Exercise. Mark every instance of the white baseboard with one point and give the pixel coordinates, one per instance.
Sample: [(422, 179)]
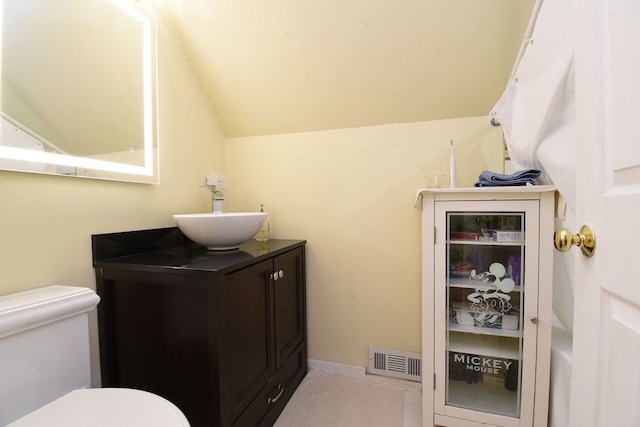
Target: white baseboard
[(336, 368)]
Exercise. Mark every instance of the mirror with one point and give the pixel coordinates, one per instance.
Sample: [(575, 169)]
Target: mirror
[(78, 89)]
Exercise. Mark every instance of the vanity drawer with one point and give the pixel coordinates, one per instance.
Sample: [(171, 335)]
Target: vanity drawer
[(269, 403)]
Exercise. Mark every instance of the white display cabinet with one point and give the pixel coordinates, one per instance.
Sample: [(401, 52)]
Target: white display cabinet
[(487, 271)]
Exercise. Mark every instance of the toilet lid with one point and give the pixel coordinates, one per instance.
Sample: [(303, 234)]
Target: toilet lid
[(106, 407)]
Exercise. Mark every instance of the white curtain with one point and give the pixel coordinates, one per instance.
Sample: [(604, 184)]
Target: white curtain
[(536, 112)]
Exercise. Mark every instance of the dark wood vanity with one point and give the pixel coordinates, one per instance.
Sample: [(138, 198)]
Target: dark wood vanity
[(222, 335)]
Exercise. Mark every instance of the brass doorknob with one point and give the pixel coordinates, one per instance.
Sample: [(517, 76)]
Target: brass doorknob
[(585, 240)]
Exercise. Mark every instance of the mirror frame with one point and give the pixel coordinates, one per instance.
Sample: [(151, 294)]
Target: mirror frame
[(51, 163)]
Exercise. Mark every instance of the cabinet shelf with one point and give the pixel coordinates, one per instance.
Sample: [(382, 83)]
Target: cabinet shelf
[(486, 243), (474, 330), (483, 396), (463, 282), (506, 347)]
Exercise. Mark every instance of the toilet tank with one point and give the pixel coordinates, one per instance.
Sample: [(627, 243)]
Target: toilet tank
[(44, 347)]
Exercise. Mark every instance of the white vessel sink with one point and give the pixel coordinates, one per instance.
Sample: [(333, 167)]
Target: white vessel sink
[(220, 231)]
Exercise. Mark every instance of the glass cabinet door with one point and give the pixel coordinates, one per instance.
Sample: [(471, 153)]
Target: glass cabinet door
[(485, 298)]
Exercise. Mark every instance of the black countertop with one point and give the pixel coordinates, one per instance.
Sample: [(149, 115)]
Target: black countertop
[(168, 249)]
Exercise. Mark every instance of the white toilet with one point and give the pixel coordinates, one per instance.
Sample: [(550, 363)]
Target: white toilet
[(45, 373)]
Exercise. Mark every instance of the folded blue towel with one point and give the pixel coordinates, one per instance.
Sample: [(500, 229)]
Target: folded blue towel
[(492, 179)]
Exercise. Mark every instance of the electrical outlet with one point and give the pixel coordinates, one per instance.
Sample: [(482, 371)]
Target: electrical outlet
[(217, 180)]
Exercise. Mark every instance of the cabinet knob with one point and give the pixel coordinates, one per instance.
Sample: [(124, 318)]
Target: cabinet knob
[(277, 275), (534, 320)]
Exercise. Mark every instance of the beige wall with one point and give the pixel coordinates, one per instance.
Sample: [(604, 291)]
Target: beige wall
[(350, 194), (46, 222)]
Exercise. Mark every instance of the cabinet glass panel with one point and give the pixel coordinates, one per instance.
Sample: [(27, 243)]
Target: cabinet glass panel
[(485, 296)]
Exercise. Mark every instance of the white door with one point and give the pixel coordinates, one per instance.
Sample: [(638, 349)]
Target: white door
[(606, 376)]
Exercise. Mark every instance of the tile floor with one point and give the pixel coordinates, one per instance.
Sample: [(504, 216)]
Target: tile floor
[(327, 399)]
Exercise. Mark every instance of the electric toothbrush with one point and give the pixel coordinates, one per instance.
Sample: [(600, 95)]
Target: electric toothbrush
[(452, 166)]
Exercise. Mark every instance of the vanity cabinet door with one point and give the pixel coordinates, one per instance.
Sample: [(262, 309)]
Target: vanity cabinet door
[(289, 298), (287, 286), (246, 337)]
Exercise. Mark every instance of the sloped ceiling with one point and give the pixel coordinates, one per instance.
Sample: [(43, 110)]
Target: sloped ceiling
[(281, 66)]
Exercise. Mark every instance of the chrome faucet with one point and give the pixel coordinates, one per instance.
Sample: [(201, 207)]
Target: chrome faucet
[(217, 197)]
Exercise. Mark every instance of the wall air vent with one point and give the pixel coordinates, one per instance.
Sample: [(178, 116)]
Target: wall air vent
[(395, 363)]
